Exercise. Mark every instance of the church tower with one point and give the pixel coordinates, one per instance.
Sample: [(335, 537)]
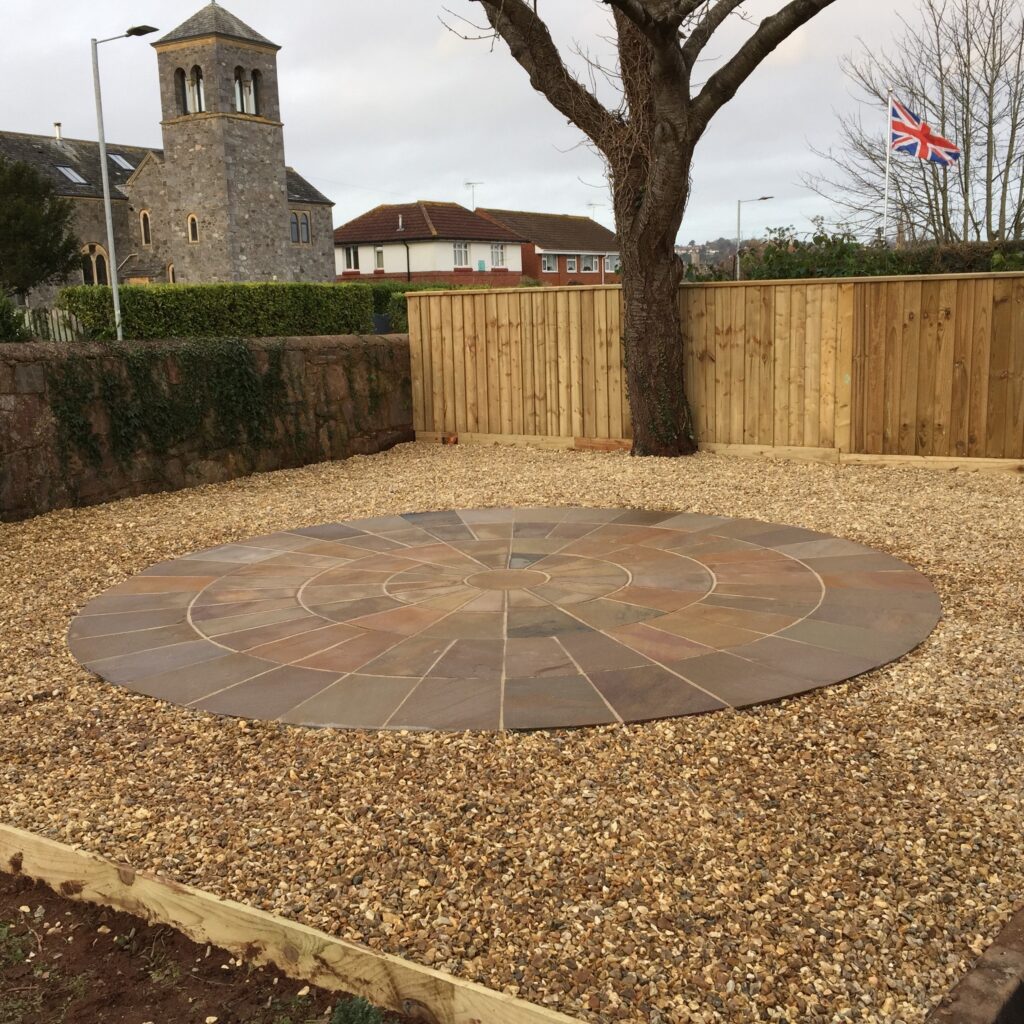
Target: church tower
[(224, 196)]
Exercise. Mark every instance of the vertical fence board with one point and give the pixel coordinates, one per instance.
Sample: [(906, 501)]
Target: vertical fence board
[(615, 368), (780, 377), (981, 343), (827, 388), (960, 393), (752, 342), (797, 363), (893, 367), (1013, 443), (575, 365), (600, 365), (944, 345), (845, 346), (926, 367), (910, 345), (766, 392), (812, 368)]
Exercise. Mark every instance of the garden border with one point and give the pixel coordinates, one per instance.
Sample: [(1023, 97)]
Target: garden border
[(258, 937)]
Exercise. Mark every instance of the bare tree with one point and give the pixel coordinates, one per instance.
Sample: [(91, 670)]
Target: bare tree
[(960, 66), (648, 144)]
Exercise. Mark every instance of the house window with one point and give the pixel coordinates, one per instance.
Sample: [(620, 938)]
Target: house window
[(147, 231), (570, 264), (94, 264), (304, 229), (378, 257), (181, 91), (589, 264), (497, 255), (461, 253), (351, 257), (611, 264), (171, 279), (121, 162), (295, 228), (256, 95), (549, 264), (197, 91), (72, 175), (193, 228)]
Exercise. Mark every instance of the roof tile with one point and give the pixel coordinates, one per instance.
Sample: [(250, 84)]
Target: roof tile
[(556, 232)]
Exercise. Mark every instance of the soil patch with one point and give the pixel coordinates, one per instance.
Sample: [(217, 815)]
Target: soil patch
[(61, 960)]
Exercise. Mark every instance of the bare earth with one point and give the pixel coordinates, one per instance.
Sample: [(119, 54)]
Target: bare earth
[(840, 856)]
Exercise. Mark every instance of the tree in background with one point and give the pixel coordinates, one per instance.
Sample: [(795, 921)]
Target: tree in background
[(960, 66), (648, 143), (37, 245)]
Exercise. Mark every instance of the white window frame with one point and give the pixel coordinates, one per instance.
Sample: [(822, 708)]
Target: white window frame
[(498, 254), (461, 250), (378, 257), (611, 261), (594, 264), (351, 257), (548, 263), (121, 162), (570, 264)]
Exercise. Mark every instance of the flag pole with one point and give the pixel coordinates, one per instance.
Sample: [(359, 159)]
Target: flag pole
[(888, 161)]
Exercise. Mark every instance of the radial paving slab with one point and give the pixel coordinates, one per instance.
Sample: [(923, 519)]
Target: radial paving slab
[(505, 618)]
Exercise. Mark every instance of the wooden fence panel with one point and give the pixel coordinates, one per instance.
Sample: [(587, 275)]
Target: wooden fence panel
[(929, 366)]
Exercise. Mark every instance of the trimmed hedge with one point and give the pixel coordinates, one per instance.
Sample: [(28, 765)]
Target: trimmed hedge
[(223, 310)]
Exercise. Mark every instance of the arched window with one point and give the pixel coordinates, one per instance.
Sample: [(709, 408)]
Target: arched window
[(256, 104), (193, 228), (170, 273), (147, 231), (304, 228), (94, 264), (239, 91), (197, 91), (181, 91), (295, 227)]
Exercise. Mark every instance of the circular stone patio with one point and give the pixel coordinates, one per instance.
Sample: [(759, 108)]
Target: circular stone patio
[(505, 618)]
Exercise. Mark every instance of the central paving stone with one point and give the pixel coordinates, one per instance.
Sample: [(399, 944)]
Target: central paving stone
[(505, 619)]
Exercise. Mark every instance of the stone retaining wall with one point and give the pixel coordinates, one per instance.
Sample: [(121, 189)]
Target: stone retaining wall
[(342, 396)]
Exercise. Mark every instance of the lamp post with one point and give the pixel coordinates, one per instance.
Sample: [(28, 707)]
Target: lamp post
[(137, 30), (739, 204)]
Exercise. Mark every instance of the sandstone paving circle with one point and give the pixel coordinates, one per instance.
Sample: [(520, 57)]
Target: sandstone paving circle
[(505, 619)]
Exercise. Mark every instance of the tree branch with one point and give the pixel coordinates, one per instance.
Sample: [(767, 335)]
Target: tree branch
[(722, 85), (530, 42)]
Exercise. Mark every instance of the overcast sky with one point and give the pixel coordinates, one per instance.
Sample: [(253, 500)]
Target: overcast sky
[(382, 104)]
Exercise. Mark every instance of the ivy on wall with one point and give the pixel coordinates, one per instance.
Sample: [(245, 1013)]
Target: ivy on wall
[(209, 394)]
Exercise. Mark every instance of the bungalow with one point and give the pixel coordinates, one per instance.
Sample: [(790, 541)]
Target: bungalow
[(428, 241), (560, 248)]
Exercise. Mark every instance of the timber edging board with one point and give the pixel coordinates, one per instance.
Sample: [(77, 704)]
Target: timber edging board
[(992, 991), (788, 453), (259, 938)]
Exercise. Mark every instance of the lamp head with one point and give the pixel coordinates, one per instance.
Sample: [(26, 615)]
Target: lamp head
[(140, 30)]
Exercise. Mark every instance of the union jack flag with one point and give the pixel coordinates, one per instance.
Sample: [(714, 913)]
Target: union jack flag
[(909, 134)]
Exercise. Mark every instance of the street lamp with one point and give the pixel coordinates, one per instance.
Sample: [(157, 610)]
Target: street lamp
[(739, 204), (136, 30)]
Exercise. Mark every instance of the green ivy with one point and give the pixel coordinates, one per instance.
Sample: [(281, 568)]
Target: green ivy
[(219, 396)]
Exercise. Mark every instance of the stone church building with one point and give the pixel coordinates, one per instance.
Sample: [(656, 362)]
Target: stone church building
[(218, 203)]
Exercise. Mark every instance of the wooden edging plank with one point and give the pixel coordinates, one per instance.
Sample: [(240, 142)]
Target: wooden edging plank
[(258, 937)]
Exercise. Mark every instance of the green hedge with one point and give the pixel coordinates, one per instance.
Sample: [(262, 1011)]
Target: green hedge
[(224, 310)]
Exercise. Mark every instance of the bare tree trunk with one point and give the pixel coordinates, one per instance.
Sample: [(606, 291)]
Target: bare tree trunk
[(653, 343)]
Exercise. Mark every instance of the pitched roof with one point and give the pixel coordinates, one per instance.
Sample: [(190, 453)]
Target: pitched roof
[(556, 232), (47, 155), (300, 190), (214, 20), (422, 220)]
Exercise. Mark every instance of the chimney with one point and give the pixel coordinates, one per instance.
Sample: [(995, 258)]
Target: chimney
[(401, 227), (56, 130)]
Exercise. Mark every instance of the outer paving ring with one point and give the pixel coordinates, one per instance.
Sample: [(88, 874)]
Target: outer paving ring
[(506, 618)]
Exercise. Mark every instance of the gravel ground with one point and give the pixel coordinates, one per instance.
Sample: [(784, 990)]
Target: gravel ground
[(840, 856)]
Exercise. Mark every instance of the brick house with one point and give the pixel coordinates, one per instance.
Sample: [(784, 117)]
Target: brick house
[(430, 242), (562, 249), (217, 203)]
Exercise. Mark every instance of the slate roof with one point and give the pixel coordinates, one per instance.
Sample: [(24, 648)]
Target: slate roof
[(47, 155), (214, 20), (556, 232), (423, 220)]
